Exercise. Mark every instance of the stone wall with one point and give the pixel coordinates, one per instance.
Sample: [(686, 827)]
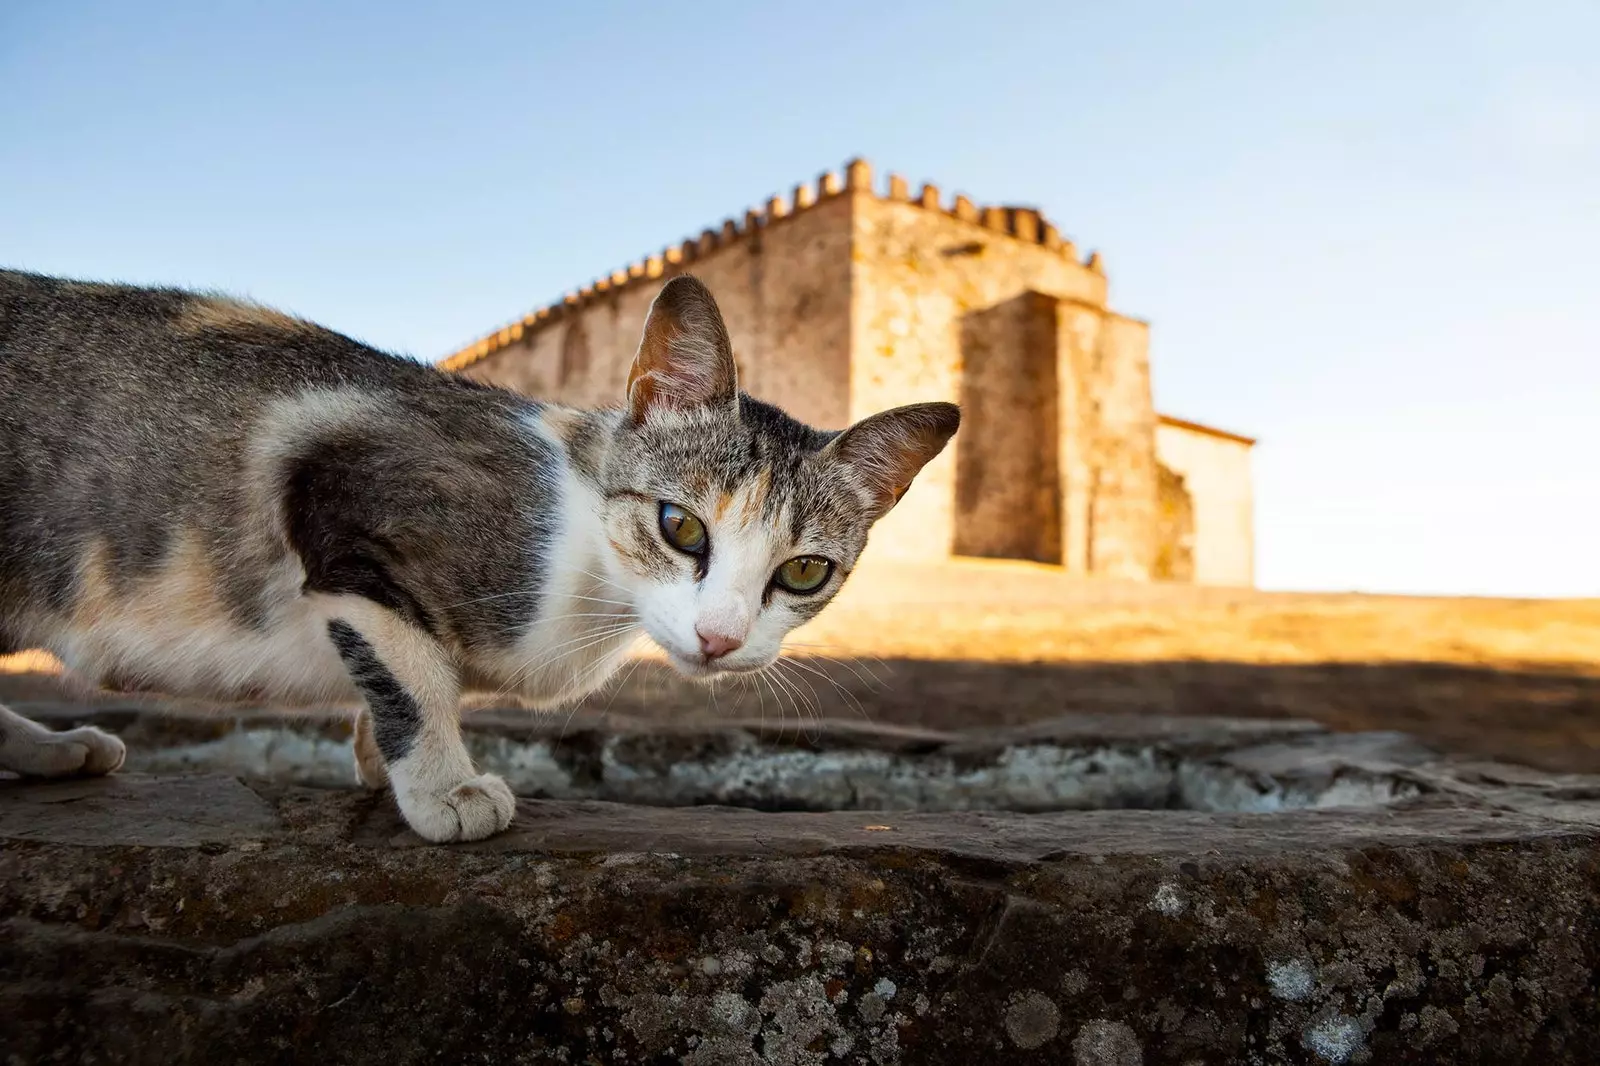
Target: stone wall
[(1096, 890), (1215, 467), (783, 283), (924, 278), (1108, 444)]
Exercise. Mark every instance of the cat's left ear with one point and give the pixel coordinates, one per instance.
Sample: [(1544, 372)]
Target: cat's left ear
[(685, 360), (884, 452)]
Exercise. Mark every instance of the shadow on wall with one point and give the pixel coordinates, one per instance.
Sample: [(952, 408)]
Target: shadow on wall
[(1008, 482), (1174, 528), (1015, 491)]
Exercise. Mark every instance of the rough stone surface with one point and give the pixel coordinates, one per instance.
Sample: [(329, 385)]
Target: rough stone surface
[(224, 919)]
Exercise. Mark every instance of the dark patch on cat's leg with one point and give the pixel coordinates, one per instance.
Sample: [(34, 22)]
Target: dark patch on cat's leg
[(412, 689), (396, 719), (29, 749)]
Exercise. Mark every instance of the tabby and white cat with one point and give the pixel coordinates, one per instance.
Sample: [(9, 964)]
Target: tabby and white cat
[(206, 497)]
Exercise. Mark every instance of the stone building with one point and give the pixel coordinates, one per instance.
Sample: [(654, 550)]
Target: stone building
[(843, 299)]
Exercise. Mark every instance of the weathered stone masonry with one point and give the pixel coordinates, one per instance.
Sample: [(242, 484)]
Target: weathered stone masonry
[(842, 301), (1096, 890)]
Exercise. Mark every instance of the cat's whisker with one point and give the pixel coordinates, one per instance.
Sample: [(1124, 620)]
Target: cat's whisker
[(802, 705), (603, 580), (798, 711), (521, 627), (615, 617), (580, 678), (589, 639), (777, 703), (850, 697), (589, 674), (486, 599), (748, 683), (803, 710), (593, 599), (854, 664), (622, 682), (535, 593), (844, 649), (840, 651), (755, 684), (779, 697), (814, 701), (572, 712)]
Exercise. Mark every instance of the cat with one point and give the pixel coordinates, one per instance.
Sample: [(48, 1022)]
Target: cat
[(203, 496)]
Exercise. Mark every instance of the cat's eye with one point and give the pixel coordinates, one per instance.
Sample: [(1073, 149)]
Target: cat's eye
[(683, 530), (805, 573)]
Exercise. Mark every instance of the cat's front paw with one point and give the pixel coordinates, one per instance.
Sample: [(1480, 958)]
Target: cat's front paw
[(473, 809)]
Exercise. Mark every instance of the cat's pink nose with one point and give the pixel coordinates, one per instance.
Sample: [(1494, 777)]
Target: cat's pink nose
[(715, 645)]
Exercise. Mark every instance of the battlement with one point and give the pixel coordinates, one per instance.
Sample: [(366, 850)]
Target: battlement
[(1024, 224)]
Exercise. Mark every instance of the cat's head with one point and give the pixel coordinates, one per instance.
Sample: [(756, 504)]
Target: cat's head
[(730, 522)]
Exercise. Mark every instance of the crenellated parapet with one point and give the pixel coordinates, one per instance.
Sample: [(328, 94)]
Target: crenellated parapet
[(1024, 224)]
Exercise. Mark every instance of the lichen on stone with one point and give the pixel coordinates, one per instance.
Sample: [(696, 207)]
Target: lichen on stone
[(1291, 979), (1168, 901), (1336, 1039), (1103, 1042), (1032, 1020)]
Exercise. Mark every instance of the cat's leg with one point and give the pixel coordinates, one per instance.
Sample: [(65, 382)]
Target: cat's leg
[(370, 768), (413, 692), (28, 748)]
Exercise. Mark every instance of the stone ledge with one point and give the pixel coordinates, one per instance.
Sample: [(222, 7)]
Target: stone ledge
[(196, 810), (1077, 762), (198, 918)]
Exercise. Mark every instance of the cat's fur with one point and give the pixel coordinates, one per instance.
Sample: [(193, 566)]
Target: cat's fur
[(204, 496)]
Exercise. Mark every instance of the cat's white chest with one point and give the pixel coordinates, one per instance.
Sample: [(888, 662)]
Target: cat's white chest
[(584, 620)]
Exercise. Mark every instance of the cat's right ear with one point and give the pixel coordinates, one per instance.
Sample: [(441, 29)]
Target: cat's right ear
[(884, 452), (685, 360)]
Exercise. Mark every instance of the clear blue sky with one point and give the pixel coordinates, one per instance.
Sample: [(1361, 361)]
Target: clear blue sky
[(1367, 232)]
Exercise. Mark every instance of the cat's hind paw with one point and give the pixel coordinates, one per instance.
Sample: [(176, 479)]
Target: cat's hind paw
[(82, 752), (476, 808), (105, 752)]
